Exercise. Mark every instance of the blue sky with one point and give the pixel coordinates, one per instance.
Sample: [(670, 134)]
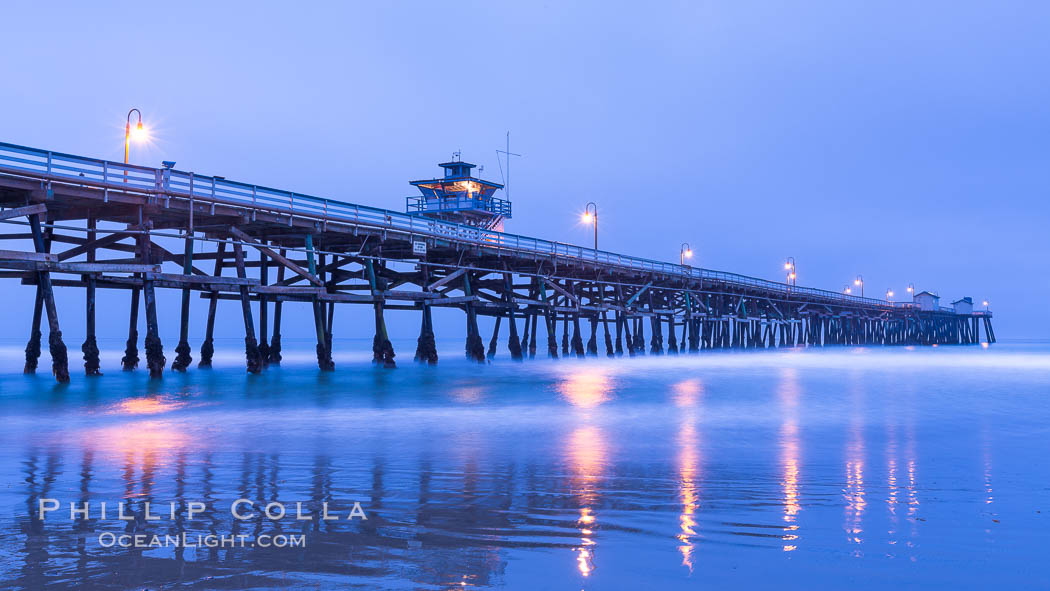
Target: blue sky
[(907, 142)]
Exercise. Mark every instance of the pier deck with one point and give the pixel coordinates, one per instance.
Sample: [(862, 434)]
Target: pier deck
[(323, 252)]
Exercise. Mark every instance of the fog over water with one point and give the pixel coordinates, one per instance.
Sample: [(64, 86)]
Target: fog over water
[(865, 467)]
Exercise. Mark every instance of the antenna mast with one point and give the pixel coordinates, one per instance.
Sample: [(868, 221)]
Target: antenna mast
[(506, 184)]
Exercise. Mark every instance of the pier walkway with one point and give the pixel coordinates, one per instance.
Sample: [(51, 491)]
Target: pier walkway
[(321, 252)]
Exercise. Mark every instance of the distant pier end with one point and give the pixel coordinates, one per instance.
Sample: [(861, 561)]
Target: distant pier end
[(262, 248)]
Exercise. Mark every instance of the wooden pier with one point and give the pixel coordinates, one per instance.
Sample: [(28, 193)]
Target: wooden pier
[(266, 248)]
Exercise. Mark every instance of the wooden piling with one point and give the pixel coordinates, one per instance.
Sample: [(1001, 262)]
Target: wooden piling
[(130, 361), (426, 348), (513, 342), (382, 349), (33, 346), (494, 341), (324, 355), (577, 339), (552, 336), (264, 319), (639, 336), (524, 344), (154, 350), (208, 347), (59, 358), (656, 343), (182, 350), (475, 349), (592, 341), (565, 332), (532, 335), (90, 346), (609, 351), (275, 340), (253, 359)]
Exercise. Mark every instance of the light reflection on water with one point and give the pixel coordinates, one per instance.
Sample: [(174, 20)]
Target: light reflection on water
[(790, 457), (644, 473)]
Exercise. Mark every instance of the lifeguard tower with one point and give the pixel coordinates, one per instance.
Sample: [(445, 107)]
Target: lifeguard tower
[(460, 197)]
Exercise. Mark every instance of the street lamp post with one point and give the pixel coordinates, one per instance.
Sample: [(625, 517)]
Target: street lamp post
[(847, 289), (590, 216), (911, 288), (789, 266), (127, 132), (985, 303), (686, 252), (889, 295), (860, 281)]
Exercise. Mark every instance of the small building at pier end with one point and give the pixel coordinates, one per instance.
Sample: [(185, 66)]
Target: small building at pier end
[(963, 305), (927, 301), (460, 197)]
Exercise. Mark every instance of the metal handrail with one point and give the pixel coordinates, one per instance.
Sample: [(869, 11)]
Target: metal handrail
[(57, 166)]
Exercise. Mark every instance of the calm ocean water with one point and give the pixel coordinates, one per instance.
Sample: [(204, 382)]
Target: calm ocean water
[(844, 468)]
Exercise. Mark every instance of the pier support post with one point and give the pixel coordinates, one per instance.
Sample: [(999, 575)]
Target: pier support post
[(577, 340), (672, 341), (618, 320), (552, 336), (382, 349), (514, 342), (639, 336), (592, 342), (609, 351), (253, 359), (475, 349), (565, 332), (90, 346), (275, 340), (154, 349), (130, 361), (426, 349), (524, 333), (182, 350), (33, 346), (324, 355), (264, 339), (208, 346), (628, 341), (59, 359), (532, 335), (494, 341)]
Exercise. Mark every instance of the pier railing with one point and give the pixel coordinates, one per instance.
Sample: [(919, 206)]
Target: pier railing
[(170, 183)]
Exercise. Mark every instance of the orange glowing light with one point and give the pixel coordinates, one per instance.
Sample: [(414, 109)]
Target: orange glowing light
[(687, 392), (145, 406), (586, 454), (586, 389), (689, 490), (139, 133)]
